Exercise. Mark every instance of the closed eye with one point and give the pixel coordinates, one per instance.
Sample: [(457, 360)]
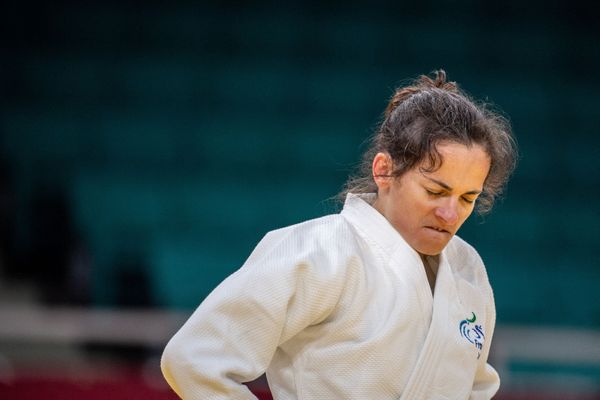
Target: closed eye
[(472, 198), (433, 192)]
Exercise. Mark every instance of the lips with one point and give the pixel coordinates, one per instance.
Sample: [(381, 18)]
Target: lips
[(437, 229)]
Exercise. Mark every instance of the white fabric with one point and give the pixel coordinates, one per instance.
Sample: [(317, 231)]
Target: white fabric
[(340, 308)]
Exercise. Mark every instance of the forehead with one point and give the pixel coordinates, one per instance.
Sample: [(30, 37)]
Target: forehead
[(460, 166)]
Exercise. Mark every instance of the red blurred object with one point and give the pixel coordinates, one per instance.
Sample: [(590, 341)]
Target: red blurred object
[(128, 386), (133, 385)]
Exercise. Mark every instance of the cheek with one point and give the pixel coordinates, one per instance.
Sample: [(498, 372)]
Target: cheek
[(424, 208), (465, 214), (411, 208), (467, 211), (415, 214)]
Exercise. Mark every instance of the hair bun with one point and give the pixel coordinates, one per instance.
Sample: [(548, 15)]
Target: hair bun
[(438, 82), (421, 84)]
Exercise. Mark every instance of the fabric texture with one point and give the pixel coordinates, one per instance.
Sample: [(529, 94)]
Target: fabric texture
[(340, 307)]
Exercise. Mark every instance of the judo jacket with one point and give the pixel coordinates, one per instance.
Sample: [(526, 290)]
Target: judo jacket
[(340, 307)]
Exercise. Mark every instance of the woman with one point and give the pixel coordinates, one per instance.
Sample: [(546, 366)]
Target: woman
[(381, 301)]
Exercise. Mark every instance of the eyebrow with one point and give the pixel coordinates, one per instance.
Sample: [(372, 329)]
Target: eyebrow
[(447, 187)]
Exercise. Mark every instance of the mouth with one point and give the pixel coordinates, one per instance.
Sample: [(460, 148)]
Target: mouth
[(435, 228)]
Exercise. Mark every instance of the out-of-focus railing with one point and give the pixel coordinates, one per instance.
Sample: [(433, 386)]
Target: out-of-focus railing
[(527, 357)]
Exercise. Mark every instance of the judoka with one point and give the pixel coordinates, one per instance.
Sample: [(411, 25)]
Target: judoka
[(380, 301)]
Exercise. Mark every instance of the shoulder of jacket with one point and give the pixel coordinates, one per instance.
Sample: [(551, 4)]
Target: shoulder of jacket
[(324, 238), (329, 228)]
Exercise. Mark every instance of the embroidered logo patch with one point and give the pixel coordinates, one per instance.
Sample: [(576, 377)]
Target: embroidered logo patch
[(472, 332)]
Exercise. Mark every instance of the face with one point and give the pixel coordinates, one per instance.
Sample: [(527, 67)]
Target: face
[(427, 208)]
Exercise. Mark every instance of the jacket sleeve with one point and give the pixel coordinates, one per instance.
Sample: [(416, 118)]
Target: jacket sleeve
[(232, 336), (487, 381)]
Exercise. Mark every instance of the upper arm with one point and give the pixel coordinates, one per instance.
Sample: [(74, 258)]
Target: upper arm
[(233, 335)]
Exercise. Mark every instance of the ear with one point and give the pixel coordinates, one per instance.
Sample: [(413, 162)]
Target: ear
[(382, 169)]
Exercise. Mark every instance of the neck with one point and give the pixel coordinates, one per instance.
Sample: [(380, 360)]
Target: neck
[(430, 264)]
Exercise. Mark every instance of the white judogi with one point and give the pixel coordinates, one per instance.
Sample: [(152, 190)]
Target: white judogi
[(340, 308)]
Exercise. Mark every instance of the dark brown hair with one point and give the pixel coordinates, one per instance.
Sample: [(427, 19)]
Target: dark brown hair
[(430, 111)]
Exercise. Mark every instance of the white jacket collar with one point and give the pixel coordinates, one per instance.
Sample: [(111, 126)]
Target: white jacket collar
[(359, 212)]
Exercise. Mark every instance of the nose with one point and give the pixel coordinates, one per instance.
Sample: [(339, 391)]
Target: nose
[(448, 213)]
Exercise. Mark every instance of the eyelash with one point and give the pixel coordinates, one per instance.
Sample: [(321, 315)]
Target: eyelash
[(436, 194)]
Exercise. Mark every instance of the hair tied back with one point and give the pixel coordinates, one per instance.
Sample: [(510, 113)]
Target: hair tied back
[(439, 82), (399, 97), (423, 83)]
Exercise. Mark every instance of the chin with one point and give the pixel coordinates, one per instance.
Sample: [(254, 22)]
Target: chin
[(430, 250), (430, 253)]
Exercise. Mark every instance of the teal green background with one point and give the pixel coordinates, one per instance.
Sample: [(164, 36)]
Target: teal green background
[(180, 134)]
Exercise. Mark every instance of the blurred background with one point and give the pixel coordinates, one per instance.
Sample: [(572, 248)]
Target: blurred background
[(145, 148)]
